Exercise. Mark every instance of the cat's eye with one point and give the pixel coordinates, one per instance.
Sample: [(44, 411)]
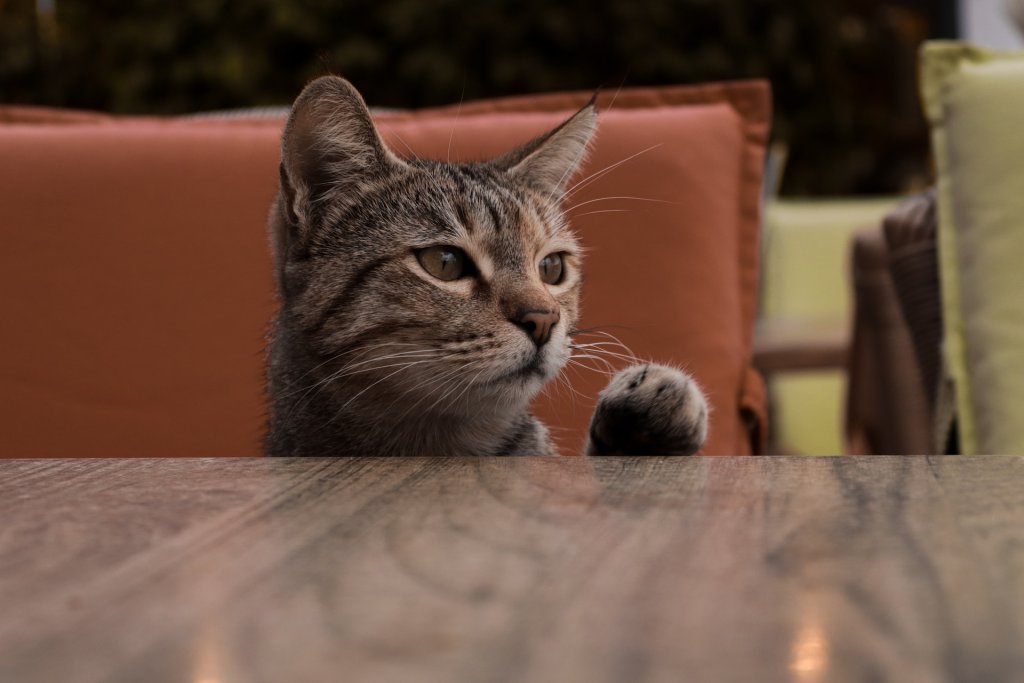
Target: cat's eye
[(551, 269), (444, 263)]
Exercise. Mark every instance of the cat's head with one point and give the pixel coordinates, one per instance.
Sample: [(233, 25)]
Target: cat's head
[(425, 279)]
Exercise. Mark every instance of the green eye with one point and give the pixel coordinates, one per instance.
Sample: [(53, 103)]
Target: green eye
[(444, 263), (551, 269)]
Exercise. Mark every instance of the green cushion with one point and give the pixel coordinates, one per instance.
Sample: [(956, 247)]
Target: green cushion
[(806, 285), (974, 100)]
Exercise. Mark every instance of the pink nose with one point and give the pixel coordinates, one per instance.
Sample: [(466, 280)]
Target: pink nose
[(538, 324)]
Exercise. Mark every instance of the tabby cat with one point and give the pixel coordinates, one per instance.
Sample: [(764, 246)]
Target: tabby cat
[(423, 304)]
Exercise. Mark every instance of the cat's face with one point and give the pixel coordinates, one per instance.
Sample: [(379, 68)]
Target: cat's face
[(444, 286)]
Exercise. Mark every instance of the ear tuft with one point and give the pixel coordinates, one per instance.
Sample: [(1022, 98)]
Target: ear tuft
[(329, 149), (548, 162)]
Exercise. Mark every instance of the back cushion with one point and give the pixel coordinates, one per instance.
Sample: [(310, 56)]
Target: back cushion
[(974, 99), (137, 253), (138, 287)]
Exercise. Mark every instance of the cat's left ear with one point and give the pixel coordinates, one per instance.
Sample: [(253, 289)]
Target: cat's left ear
[(330, 151), (548, 162)]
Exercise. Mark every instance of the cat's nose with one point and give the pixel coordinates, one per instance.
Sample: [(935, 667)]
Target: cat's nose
[(538, 324)]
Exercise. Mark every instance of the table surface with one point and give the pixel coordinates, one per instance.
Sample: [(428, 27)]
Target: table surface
[(530, 569)]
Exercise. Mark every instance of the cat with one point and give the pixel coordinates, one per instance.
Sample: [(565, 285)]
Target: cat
[(424, 304)]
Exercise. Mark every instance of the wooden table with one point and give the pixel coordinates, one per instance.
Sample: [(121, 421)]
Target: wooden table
[(702, 569)]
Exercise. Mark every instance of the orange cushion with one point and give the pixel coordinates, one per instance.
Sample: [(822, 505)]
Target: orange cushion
[(139, 288), (136, 259)]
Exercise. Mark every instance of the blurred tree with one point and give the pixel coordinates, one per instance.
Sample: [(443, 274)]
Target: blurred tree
[(19, 50), (843, 71)]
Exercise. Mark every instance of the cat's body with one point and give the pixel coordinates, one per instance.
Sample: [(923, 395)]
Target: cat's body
[(424, 304)]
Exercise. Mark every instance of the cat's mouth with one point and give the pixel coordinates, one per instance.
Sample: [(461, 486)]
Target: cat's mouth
[(533, 367)]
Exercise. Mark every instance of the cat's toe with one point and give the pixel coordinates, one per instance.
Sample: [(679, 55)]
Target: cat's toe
[(649, 410)]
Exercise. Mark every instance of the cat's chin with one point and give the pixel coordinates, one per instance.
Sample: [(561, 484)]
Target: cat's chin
[(532, 369), (521, 384), (514, 394)]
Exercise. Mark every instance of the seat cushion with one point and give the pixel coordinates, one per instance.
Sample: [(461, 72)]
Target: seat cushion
[(139, 253), (973, 100)]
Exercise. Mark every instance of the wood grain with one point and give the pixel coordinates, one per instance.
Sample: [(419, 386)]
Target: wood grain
[(555, 569)]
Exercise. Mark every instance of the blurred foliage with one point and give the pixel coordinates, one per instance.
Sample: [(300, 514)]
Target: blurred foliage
[(843, 71)]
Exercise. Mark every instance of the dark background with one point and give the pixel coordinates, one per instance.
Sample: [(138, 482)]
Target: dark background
[(843, 71)]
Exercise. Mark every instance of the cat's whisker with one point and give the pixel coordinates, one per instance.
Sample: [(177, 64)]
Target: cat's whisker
[(450, 381), (607, 369), (367, 347), (343, 371), (392, 356), (443, 380), (562, 430), (447, 399), (382, 379), (319, 386), (363, 351), (436, 379), (606, 353), (467, 385), (572, 208), (597, 329), (568, 171), (586, 348), (556, 384), (603, 172), (610, 365), (563, 378), (589, 369), (601, 344), (575, 165), (575, 392), (458, 386), (341, 410), (568, 382), (607, 346), (412, 154), (616, 344), (595, 332), (606, 335), (607, 372), (615, 362), (375, 368), (617, 91), (591, 213), (459, 382), (628, 358)]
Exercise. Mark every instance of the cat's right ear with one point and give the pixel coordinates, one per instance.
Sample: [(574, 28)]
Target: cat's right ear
[(547, 162), (330, 150)]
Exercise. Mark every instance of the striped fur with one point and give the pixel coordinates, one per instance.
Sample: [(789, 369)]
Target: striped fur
[(372, 355)]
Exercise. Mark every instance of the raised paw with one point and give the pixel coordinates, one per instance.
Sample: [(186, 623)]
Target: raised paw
[(649, 410)]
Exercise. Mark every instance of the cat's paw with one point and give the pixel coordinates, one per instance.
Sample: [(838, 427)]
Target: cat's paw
[(649, 410)]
